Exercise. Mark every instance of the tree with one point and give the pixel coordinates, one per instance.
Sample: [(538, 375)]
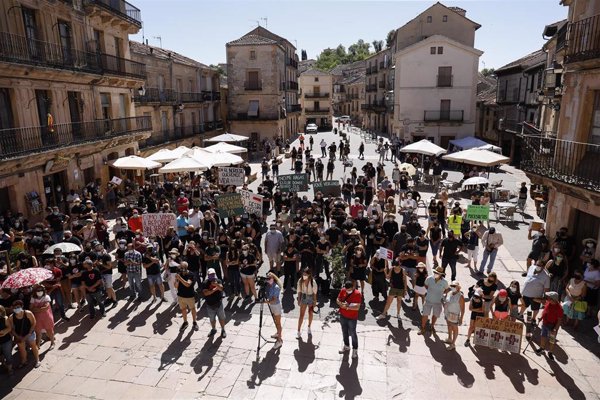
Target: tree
[(377, 45), (304, 55), (330, 58), (488, 72), (389, 40)]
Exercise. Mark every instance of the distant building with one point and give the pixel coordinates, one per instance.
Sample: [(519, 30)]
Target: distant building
[(349, 91), (487, 109), (379, 87), (315, 98)]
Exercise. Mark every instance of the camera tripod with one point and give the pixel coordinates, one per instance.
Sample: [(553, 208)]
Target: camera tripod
[(260, 323)]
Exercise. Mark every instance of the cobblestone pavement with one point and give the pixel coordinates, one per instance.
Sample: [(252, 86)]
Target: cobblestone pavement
[(137, 351)]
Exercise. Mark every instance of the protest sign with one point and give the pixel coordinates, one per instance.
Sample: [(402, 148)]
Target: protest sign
[(504, 335), (252, 202), (116, 180), (293, 183), (478, 213), (327, 188), (231, 176), (386, 254), (156, 224), (230, 204)]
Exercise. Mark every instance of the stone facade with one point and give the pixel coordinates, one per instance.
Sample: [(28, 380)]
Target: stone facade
[(379, 87), (316, 91)]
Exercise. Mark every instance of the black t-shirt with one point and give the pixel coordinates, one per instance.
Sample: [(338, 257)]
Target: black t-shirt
[(450, 247), (75, 269), (154, 268), (487, 290), (105, 261), (213, 299), (56, 221), (435, 234), (409, 262), (91, 277), (422, 243), (244, 267), (186, 291), (333, 234), (193, 261)]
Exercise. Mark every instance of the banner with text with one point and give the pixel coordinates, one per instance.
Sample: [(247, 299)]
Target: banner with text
[(293, 183), (231, 176), (497, 334), (156, 224), (386, 254), (327, 188), (478, 213), (252, 202), (230, 204)]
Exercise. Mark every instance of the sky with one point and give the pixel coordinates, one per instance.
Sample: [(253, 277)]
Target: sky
[(199, 29)]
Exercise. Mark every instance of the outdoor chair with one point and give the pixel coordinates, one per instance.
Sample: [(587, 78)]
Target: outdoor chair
[(507, 213)]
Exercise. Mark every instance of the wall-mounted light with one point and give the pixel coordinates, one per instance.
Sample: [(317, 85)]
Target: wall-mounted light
[(555, 106), (141, 90), (178, 108)]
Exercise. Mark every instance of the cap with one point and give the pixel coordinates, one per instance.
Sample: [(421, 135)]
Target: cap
[(502, 293), (211, 271), (149, 246), (552, 296)]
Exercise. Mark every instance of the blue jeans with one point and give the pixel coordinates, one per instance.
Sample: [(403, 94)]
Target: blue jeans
[(6, 349), (492, 257), (452, 263), (349, 329), (95, 299), (135, 283)]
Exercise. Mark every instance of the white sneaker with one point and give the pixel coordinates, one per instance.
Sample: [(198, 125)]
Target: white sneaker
[(381, 316), (354, 353), (298, 335), (344, 349), (278, 344), (308, 331)]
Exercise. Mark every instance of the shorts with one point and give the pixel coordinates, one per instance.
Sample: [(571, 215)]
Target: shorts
[(154, 279), (528, 301), (214, 312), (359, 274), (276, 258), (396, 292), (108, 281), (307, 299), (475, 315), (429, 307), (534, 255), (186, 302), (473, 254), (420, 290), (276, 309), (75, 285), (244, 276), (546, 329), (30, 338)]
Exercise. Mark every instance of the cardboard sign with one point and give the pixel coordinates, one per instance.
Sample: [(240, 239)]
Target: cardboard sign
[(385, 254), (230, 204), (116, 180), (536, 225), (231, 176), (252, 202), (156, 224), (504, 335), (478, 213), (293, 182), (327, 188)]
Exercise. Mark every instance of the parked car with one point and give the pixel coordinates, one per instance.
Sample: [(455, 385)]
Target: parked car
[(343, 118), (311, 128)]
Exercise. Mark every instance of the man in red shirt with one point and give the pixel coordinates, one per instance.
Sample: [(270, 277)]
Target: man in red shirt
[(356, 208), (349, 301), (551, 319), (182, 203)]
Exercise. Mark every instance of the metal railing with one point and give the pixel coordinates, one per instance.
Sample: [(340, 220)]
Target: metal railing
[(316, 95), (294, 108), (510, 125), (371, 87), (574, 163), (121, 8), (291, 62), (444, 80), (259, 117), (583, 40), (561, 37), (16, 142), (156, 95), (121, 66), (316, 111), (191, 97), (444, 115), (252, 86)]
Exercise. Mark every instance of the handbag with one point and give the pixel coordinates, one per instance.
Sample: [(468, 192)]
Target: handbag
[(580, 306)]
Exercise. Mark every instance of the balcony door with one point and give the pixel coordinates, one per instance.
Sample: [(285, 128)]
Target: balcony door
[(164, 125), (66, 42), (9, 141), (106, 110), (75, 113), (42, 99), (444, 110), (31, 33), (594, 137)]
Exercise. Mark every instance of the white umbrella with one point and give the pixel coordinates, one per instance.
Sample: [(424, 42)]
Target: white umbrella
[(135, 162), (66, 247), (228, 137), (184, 164), (214, 159), (163, 155), (180, 151), (423, 147), (476, 180), (409, 168), (226, 159), (481, 158), (223, 147)]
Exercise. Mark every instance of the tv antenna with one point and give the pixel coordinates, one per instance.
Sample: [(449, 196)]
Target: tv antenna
[(266, 21), (159, 40)]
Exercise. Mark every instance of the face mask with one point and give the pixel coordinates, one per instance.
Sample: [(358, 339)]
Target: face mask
[(18, 310), (454, 290), (323, 239), (271, 281), (245, 252), (349, 290), (304, 277), (538, 269), (513, 288), (590, 245), (358, 253), (379, 230), (121, 246), (73, 261), (212, 277), (39, 293), (372, 226), (556, 249)]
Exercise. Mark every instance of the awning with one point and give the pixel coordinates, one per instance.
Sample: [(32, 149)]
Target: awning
[(253, 108)]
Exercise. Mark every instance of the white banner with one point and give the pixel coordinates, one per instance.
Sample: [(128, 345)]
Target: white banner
[(116, 180), (386, 254), (252, 202), (231, 176), (158, 224)]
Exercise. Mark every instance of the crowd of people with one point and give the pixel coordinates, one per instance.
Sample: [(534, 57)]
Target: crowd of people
[(206, 258)]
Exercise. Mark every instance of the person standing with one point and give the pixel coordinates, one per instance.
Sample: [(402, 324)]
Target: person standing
[(6, 343), (537, 283), (330, 168), (472, 239), (272, 293), (454, 311), (274, 242), (349, 301), (93, 286), (436, 287), (450, 249), (307, 298), (23, 330), (361, 151), (184, 283), (151, 263), (491, 241), (551, 319), (133, 261), (398, 285), (213, 299)]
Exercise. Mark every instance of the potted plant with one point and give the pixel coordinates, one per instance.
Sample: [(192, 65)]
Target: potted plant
[(338, 272)]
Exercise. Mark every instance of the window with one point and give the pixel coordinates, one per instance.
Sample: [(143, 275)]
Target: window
[(432, 50), (253, 82), (105, 104), (6, 114), (253, 108), (444, 110), (444, 77), (429, 19), (31, 32), (64, 32), (99, 39), (252, 54), (595, 131), (440, 50), (316, 79), (445, 18)]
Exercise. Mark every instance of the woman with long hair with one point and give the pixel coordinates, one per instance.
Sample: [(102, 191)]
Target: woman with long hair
[(40, 306), (272, 293), (307, 297)]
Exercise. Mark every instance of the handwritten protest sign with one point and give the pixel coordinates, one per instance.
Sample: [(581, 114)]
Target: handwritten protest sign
[(157, 224), (116, 180), (503, 335), (328, 188), (293, 183), (230, 204), (478, 213), (252, 202), (386, 254), (231, 176)]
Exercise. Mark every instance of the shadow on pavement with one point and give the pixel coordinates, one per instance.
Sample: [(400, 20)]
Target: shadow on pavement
[(305, 353), (566, 381), (140, 318), (450, 361), (175, 350), (164, 320), (203, 362), (399, 335), (348, 378), (514, 366), (263, 369)]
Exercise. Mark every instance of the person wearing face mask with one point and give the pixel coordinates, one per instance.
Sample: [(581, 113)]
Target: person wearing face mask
[(491, 240), (23, 330), (501, 305), (454, 311), (356, 208), (436, 287), (182, 203), (274, 243), (514, 295), (323, 247), (120, 259), (272, 293), (133, 261), (477, 311), (349, 301), (379, 267), (184, 284), (574, 305), (212, 255), (398, 284), (135, 222), (74, 274), (6, 343), (88, 232), (390, 228), (358, 267), (369, 235), (248, 272), (558, 269), (307, 251), (212, 291), (94, 288), (171, 266), (537, 282), (589, 250), (306, 291), (40, 306), (57, 222), (591, 276)]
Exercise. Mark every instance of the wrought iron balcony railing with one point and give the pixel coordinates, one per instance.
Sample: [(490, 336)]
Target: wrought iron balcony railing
[(259, 117), (443, 115), (294, 108), (316, 95), (191, 97), (121, 66), (583, 40), (120, 8), (15, 142), (320, 111), (156, 95), (371, 87)]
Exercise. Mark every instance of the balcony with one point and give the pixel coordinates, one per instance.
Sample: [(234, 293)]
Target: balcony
[(316, 95), (381, 84), (375, 106), (292, 85), (371, 87), (443, 116), (155, 95), (219, 124), (17, 142), (444, 80), (119, 8), (317, 111), (561, 37), (113, 65), (252, 86), (246, 117), (294, 108), (291, 62), (573, 163), (510, 125), (583, 40), (191, 97)]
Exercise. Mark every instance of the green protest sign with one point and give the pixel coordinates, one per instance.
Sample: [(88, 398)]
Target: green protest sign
[(230, 204), (478, 213), (327, 188), (293, 183)]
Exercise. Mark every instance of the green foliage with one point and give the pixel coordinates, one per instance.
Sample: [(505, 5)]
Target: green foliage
[(330, 58), (389, 40), (377, 45), (488, 71), (336, 266)]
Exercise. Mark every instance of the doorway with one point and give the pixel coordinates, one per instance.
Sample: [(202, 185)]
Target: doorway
[(54, 189), (586, 226)]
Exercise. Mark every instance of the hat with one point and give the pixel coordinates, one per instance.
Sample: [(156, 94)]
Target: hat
[(440, 271), (88, 202), (77, 200), (353, 232), (89, 221), (478, 292), (552, 296), (502, 293), (211, 271), (589, 240), (455, 283), (149, 246), (421, 265), (174, 251), (390, 216)]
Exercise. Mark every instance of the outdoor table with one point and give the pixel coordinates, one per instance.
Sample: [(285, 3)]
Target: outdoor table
[(502, 206)]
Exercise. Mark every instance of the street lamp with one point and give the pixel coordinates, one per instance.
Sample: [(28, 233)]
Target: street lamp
[(141, 90)]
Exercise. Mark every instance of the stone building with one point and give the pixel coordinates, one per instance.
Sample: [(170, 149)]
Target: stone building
[(315, 98), (349, 90), (487, 109), (181, 95), (262, 87), (66, 87), (379, 87), (567, 165)]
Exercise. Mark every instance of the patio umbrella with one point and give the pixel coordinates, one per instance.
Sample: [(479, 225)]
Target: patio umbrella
[(214, 159), (163, 155), (409, 168), (180, 151), (229, 138), (474, 181), (65, 247), (223, 147), (226, 159), (135, 163), (184, 164), (423, 147), (481, 158), (27, 277)]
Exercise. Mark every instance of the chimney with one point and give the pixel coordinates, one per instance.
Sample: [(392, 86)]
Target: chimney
[(458, 10)]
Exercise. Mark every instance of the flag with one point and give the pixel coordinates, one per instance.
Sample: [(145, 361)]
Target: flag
[(50, 123)]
